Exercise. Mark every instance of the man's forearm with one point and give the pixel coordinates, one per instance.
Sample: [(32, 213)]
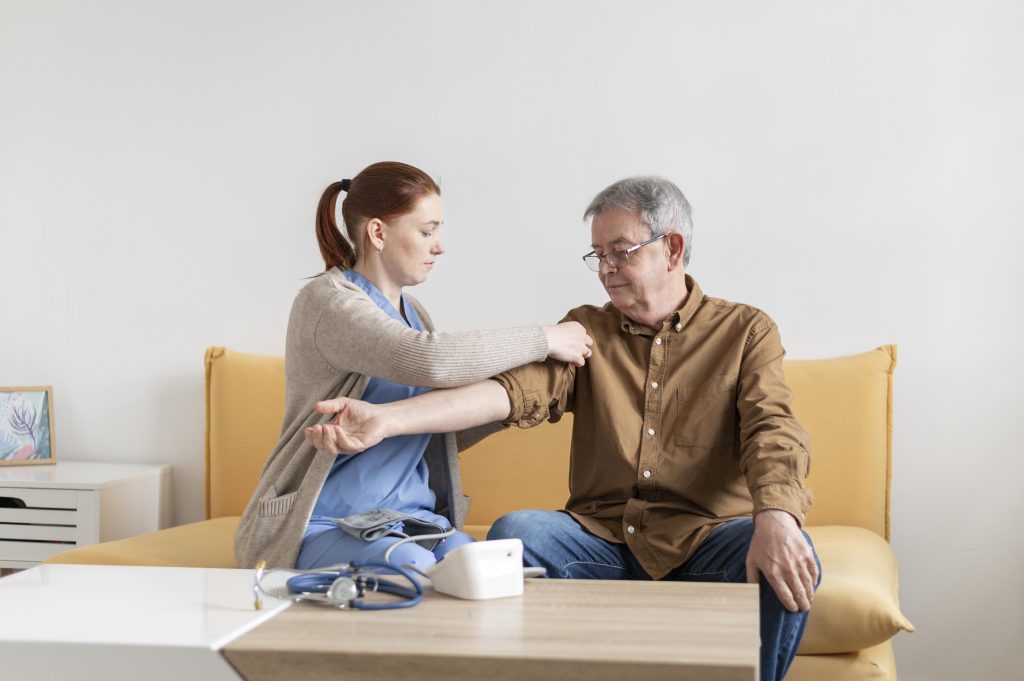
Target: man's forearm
[(443, 411)]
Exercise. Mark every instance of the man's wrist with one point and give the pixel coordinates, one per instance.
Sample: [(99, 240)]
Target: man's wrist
[(776, 514)]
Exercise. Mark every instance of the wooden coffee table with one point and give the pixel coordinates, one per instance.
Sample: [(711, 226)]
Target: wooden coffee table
[(589, 630)]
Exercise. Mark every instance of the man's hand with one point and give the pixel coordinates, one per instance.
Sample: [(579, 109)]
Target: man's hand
[(779, 551), (358, 426)]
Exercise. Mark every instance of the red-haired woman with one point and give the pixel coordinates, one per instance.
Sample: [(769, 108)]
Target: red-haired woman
[(354, 332)]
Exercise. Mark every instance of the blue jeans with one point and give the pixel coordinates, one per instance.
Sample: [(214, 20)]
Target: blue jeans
[(555, 541)]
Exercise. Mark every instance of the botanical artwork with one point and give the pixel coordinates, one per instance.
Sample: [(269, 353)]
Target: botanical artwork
[(25, 426)]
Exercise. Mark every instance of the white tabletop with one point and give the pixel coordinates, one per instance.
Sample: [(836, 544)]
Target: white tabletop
[(61, 618), (76, 474)]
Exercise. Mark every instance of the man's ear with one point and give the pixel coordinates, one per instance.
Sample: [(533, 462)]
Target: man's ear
[(375, 234), (676, 247)]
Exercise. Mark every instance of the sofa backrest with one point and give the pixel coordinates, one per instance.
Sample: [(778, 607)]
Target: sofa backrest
[(244, 409), (845, 403)]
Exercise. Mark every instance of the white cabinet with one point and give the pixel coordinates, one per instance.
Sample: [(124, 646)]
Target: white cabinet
[(48, 509)]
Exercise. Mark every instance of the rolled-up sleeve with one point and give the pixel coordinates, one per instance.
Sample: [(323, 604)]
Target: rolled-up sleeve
[(538, 392), (775, 449)]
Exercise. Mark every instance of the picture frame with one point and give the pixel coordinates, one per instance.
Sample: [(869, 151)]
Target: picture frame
[(26, 426)]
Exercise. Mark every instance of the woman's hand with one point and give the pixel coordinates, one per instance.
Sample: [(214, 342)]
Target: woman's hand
[(358, 426), (568, 342)]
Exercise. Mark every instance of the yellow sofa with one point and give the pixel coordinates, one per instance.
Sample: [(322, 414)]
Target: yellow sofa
[(845, 404)]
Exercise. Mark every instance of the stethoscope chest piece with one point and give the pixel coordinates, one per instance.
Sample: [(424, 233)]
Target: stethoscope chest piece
[(343, 591)]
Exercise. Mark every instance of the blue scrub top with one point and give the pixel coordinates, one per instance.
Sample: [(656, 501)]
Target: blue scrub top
[(391, 474)]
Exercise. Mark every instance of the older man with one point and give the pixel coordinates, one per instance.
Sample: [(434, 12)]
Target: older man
[(687, 462)]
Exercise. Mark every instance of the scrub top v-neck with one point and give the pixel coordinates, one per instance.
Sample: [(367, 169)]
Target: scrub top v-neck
[(391, 474)]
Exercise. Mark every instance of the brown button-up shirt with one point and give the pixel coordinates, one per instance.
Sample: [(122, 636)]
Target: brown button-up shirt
[(676, 430)]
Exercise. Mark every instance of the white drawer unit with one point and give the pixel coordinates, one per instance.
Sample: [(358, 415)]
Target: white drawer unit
[(48, 509)]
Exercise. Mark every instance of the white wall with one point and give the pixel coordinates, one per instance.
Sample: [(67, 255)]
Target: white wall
[(856, 169)]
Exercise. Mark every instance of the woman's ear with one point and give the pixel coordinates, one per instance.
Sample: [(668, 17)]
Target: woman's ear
[(676, 247), (375, 234)]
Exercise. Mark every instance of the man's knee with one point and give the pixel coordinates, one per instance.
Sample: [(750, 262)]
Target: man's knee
[(515, 525), (817, 561)]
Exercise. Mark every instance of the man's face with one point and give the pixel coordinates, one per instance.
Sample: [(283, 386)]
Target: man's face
[(633, 287)]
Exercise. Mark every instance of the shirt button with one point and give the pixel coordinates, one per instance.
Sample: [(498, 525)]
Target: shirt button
[(657, 341), (679, 327), (647, 474), (650, 431), (654, 385), (631, 529)]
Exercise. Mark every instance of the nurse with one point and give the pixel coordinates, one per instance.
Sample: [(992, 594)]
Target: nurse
[(355, 332)]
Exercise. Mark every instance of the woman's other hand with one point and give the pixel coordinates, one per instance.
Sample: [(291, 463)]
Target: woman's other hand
[(357, 426), (568, 342)]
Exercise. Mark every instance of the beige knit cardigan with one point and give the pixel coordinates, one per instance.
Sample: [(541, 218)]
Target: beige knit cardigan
[(337, 339)]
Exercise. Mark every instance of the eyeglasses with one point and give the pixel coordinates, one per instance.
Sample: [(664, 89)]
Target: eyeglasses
[(616, 259)]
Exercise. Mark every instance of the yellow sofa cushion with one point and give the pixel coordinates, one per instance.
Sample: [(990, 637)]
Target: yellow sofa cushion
[(516, 469), (207, 543), (857, 605), (845, 404), (244, 410), (876, 663)]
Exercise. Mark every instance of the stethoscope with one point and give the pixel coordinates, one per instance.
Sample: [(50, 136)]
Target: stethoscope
[(342, 586), (345, 585)]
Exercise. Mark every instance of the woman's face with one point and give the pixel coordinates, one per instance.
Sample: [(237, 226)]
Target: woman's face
[(413, 242)]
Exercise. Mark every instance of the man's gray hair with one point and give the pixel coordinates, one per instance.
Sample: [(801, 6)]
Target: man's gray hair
[(659, 203)]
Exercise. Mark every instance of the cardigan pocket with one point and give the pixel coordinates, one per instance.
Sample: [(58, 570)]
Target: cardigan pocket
[(272, 505), (260, 531)]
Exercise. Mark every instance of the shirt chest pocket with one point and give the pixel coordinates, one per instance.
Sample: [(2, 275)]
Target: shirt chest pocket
[(706, 413)]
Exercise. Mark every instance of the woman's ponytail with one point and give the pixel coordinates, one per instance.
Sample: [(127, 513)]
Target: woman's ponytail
[(334, 247)]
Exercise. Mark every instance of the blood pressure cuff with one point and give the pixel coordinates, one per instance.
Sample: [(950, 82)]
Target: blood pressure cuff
[(384, 522)]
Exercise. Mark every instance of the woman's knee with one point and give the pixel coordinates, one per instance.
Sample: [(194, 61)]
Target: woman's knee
[(451, 543), (409, 553)]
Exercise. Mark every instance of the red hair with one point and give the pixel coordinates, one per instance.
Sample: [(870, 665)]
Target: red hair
[(384, 191)]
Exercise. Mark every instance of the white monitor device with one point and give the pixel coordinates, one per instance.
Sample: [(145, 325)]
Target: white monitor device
[(486, 569)]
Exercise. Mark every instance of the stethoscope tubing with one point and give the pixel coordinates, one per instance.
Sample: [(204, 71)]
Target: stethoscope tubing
[(361, 572)]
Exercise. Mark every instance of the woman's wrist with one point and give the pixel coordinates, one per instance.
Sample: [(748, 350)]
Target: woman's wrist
[(548, 332), (391, 419)]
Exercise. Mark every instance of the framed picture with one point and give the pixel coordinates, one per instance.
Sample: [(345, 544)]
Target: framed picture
[(26, 426)]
